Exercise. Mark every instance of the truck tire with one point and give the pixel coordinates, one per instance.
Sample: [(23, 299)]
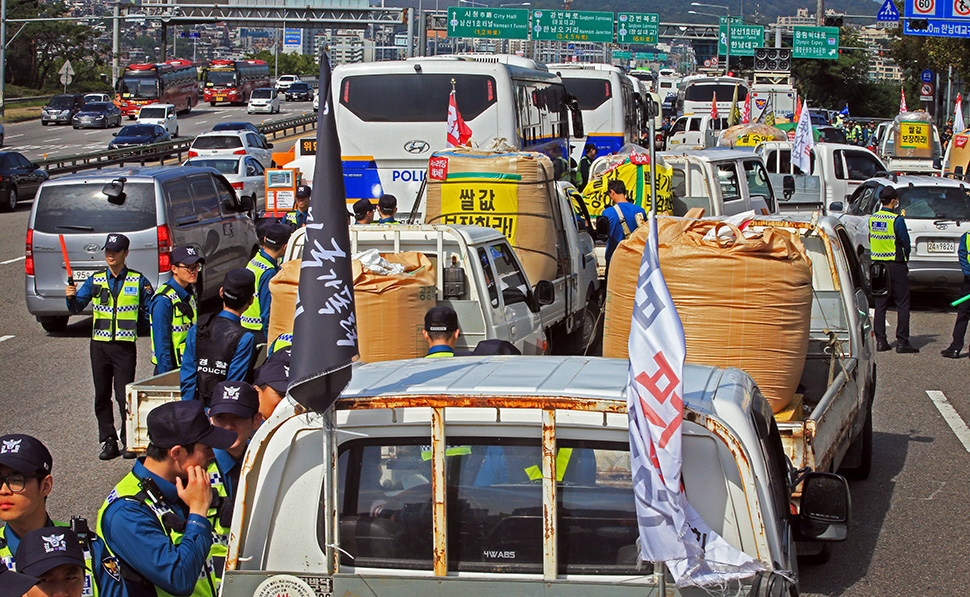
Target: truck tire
[(863, 446), (577, 341), (53, 324)]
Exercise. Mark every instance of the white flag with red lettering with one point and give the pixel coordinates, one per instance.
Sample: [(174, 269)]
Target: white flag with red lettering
[(902, 100), (958, 124), (458, 131), (670, 529)]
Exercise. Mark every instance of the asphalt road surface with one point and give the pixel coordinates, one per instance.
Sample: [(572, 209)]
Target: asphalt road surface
[(906, 538), (34, 140)]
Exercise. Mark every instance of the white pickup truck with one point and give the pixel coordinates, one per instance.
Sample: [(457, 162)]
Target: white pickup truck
[(507, 476), (722, 182), (836, 171)]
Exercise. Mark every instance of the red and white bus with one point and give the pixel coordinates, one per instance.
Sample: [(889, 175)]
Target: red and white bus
[(174, 82), (233, 81)]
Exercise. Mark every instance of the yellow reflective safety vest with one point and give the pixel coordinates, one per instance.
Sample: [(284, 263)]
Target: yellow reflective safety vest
[(116, 319), (184, 314), (220, 515), (251, 318), (90, 586), (282, 341), (129, 488), (882, 235)]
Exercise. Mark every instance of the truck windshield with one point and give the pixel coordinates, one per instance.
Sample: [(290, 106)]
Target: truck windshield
[(494, 506), (933, 202)]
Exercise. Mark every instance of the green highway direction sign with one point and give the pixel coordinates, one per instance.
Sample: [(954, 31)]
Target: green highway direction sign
[(744, 38), (637, 28), (621, 55), (644, 56), (571, 25), (816, 42), (503, 23)]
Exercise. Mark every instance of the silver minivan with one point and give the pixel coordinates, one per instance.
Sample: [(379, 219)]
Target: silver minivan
[(158, 208)]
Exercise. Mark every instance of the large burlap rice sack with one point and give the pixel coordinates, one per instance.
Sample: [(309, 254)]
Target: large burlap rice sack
[(743, 303), (511, 191), (389, 309)]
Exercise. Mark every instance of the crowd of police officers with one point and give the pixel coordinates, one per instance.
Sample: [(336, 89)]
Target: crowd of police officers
[(163, 530)]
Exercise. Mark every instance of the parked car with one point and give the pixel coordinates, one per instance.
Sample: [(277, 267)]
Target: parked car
[(90, 98), (223, 143), (246, 175), (299, 92), (1, 135), (284, 82), (97, 115), (831, 134), (61, 109), (162, 115), (19, 179), (266, 100), (139, 134), (158, 208), (937, 213), (316, 100)]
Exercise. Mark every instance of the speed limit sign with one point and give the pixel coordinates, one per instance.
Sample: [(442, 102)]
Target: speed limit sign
[(924, 7)]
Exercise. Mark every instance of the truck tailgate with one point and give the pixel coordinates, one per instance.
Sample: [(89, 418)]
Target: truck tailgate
[(142, 397)]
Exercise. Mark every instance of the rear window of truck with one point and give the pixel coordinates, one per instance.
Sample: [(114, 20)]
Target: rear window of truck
[(82, 207)]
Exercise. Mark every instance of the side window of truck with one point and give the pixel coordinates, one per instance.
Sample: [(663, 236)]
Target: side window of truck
[(511, 280), (837, 163), (861, 165), (489, 277), (727, 179), (758, 185)]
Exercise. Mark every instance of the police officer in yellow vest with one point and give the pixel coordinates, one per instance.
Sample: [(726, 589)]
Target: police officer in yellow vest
[(889, 244), (441, 331), (297, 218), (387, 206), (156, 520), (174, 309), (25, 483), (265, 265), (121, 299), (963, 310), (56, 557)]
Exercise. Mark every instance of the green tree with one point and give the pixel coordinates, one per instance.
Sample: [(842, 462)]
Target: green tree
[(289, 64)]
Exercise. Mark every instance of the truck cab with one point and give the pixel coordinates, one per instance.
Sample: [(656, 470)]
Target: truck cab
[(722, 182), (505, 475)]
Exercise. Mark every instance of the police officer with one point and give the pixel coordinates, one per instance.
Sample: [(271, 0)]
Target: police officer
[(174, 309), (121, 299), (889, 244), (589, 156), (156, 519), (234, 406), (387, 206), (54, 556), (296, 218), (25, 484), (13, 584), (363, 211), (963, 309), (441, 331), (272, 379), (264, 266), (622, 218), (560, 166), (218, 347)]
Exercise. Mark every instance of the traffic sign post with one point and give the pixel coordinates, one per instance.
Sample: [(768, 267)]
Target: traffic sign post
[(888, 13), (67, 74), (496, 23), (926, 92), (572, 25), (820, 43), (192, 34), (637, 28), (926, 76), (743, 38)]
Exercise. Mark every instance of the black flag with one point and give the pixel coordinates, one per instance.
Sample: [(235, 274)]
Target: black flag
[(324, 329)]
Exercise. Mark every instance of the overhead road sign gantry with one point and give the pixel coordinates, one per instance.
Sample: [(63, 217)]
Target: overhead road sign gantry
[(637, 28), (572, 25), (744, 38), (497, 23), (816, 42)]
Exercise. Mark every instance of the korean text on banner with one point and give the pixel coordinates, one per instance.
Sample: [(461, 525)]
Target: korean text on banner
[(488, 204), (914, 135), (636, 178), (670, 529)]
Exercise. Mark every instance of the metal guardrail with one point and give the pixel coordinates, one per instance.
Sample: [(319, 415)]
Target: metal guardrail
[(20, 100), (157, 152)]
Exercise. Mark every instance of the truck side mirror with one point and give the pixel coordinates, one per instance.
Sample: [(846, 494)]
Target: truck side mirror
[(788, 182), (825, 508), (572, 104), (835, 206), (544, 293), (602, 228), (937, 163)]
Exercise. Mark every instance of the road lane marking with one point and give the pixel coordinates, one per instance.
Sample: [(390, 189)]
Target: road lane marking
[(15, 136), (15, 260), (951, 417), (5, 338), (93, 133)]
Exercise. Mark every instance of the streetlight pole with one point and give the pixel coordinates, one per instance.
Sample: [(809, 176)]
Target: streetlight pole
[(3, 53), (727, 27)]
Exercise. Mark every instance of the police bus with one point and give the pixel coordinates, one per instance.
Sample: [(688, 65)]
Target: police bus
[(391, 116), (608, 99), (697, 92)]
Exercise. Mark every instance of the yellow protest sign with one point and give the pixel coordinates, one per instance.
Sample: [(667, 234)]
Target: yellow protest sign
[(914, 135), (636, 179), (474, 202), (753, 139)]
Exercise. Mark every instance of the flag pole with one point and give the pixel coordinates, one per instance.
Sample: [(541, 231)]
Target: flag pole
[(652, 151)]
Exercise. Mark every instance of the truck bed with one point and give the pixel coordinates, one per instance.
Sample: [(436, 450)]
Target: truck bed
[(142, 397)]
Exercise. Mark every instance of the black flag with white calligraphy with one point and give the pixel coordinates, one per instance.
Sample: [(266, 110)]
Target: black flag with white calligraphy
[(324, 330)]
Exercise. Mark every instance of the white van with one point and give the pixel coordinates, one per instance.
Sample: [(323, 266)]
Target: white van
[(161, 114), (695, 131)]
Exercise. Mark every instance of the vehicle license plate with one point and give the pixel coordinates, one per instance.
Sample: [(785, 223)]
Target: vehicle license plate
[(220, 97), (941, 246), (81, 275)]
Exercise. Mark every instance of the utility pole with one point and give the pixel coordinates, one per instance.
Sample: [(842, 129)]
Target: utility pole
[(3, 54), (820, 12), (115, 42)]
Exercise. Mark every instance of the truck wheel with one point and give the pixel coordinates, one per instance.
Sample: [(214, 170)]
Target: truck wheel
[(863, 446), (53, 324)]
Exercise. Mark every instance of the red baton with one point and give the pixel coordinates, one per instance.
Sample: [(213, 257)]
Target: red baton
[(67, 262)]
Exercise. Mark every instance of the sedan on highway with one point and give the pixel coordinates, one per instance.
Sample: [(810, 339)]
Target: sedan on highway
[(97, 115), (243, 172), (230, 143), (265, 99), (139, 134), (299, 92), (19, 179)]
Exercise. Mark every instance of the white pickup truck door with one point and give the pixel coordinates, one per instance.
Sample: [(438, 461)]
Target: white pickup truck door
[(513, 314)]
